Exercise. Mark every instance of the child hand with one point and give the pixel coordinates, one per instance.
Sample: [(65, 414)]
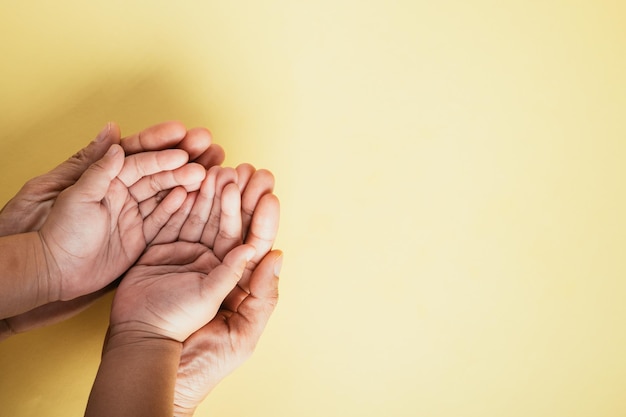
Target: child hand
[(175, 288), (224, 343)]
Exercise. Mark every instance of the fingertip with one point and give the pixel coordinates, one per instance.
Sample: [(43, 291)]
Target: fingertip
[(114, 150), (265, 177), (104, 133), (231, 189), (213, 156), (225, 176), (114, 132), (177, 196), (191, 176), (231, 201), (196, 141), (250, 252), (269, 203), (171, 130), (244, 173), (178, 157), (95, 181)]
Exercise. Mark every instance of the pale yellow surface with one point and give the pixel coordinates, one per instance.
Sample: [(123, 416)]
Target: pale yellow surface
[(452, 177)]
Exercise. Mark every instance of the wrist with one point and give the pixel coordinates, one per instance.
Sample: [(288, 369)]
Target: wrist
[(50, 270), (24, 274), (136, 335), (137, 374)]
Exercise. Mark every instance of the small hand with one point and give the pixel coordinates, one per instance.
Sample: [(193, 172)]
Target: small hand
[(175, 288), (214, 351), (193, 242)]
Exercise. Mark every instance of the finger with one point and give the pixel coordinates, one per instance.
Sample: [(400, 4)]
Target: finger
[(223, 278), (69, 171), (213, 156), (264, 225), (189, 176), (260, 184), (229, 235), (171, 230), (155, 138), (153, 224), (224, 177), (148, 163), (254, 309), (94, 183), (183, 253), (198, 217), (147, 206), (244, 173), (196, 142)]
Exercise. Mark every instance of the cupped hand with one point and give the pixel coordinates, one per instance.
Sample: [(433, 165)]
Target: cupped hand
[(95, 230), (222, 345), (225, 342), (175, 288), (30, 207)]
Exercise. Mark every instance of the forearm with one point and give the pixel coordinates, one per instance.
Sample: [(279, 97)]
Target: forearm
[(24, 277), (137, 376)]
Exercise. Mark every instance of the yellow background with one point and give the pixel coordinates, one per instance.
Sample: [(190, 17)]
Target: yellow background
[(452, 178)]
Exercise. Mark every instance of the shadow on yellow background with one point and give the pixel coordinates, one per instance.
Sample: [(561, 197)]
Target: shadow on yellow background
[(451, 177)]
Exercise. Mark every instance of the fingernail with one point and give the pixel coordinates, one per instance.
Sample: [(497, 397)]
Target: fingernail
[(103, 133), (278, 264)]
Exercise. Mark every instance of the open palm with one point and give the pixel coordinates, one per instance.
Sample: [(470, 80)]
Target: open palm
[(31, 206), (96, 230), (175, 288), (226, 341)]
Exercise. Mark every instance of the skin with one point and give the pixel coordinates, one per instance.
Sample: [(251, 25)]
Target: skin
[(224, 342), (206, 329), (94, 231), (30, 208)]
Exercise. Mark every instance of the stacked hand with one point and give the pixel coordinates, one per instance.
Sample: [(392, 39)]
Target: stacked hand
[(198, 238), (31, 207), (193, 287)]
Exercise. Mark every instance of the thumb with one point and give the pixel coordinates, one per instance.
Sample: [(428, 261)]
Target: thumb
[(70, 171), (221, 280), (94, 183), (255, 310)]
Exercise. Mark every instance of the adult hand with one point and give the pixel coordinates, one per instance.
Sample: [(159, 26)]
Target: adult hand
[(225, 342), (96, 231), (222, 344), (171, 289), (29, 209)]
